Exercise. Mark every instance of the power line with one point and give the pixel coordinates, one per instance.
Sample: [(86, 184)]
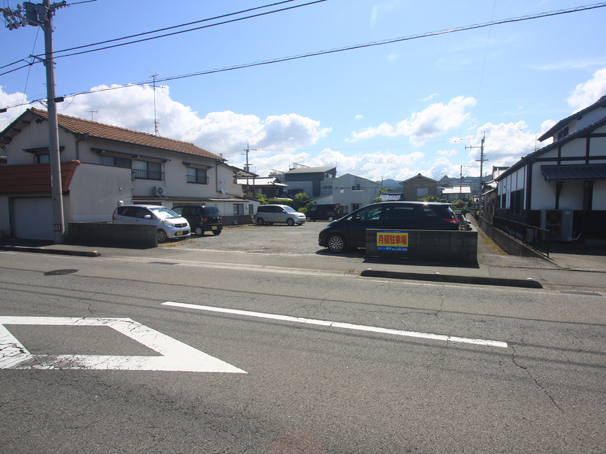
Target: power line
[(174, 33), (348, 48)]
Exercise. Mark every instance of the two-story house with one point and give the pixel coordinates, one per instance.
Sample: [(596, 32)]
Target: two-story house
[(313, 181), (418, 187), (104, 165), (353, 192), (562, 186)]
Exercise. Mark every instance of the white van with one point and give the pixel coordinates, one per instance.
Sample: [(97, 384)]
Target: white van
[(270, 214)]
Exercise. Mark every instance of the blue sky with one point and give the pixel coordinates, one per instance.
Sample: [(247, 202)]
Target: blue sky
[(391, 110)]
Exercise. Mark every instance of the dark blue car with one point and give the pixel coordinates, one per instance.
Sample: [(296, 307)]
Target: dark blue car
[(350, 231)]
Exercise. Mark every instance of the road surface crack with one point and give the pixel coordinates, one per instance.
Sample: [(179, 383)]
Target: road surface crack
[(536, 382)]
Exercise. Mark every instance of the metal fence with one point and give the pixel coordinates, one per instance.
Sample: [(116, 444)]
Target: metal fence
[(531, 235)]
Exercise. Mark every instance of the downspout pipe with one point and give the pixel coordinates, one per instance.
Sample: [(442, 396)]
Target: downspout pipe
[(78, 148)]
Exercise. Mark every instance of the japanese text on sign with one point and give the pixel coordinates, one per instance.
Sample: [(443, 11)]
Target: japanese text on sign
[(392, 240)]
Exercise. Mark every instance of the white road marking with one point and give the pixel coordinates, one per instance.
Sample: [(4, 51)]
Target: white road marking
[(329, 324), (176, 356)]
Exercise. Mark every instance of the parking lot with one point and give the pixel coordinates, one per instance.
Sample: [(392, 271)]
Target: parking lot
[(268, 239)]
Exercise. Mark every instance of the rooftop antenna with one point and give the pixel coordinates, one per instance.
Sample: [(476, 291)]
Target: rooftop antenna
[(92, 114), (156, 131)]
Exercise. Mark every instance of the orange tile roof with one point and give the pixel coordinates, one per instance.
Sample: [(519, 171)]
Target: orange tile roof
[(30, 178), (103, 131)]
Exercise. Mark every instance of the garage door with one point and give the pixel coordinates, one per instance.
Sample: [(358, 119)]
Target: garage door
[(33, 218)]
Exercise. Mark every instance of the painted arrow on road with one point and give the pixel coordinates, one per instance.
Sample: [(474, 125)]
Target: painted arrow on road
[(175, 355)]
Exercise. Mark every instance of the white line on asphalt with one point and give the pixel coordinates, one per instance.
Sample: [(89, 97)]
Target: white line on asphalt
[(329, 324), (175, 356)]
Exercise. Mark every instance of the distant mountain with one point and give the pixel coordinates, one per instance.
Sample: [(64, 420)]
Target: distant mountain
[(393, 184)]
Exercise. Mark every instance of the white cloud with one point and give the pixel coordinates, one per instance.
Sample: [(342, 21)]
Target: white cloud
[(224, 133), (505, 144), (435, 120), (433, 95), (358, 117), (11, 99), (588, 92)]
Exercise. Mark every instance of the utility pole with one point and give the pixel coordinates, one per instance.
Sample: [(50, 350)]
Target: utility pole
[(247, 167), (481, 161), (42, 15)]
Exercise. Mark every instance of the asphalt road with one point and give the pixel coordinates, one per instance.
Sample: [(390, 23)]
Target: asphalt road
[(292, 361)]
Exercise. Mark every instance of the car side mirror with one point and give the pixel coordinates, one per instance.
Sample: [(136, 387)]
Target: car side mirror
[(147, 216)]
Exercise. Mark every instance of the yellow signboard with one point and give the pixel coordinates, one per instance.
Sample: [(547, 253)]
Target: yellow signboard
[(392, 240)]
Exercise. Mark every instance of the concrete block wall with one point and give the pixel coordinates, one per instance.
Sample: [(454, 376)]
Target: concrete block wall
[(441, 246), (110, 235)]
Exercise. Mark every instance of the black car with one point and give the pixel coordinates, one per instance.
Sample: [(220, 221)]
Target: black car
[(329, 211), (350, 231), (201, 218)]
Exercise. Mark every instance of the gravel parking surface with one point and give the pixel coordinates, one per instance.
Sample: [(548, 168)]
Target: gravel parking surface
[(268, 239)]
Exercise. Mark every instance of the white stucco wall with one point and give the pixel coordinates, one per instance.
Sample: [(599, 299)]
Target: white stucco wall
[(95, 191)]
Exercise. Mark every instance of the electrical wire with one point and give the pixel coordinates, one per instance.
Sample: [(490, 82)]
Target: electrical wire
[(348, 48), (161, 30)]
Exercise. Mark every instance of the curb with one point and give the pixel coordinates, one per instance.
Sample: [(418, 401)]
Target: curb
[(474, 280), (50, 251)]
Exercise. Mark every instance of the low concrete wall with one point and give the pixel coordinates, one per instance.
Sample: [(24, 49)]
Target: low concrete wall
[(442, 246), (507, 243), (109, 235), (238, 220)]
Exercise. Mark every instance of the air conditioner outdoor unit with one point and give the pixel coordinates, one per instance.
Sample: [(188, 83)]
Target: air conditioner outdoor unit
[(160, 191), (559, 223)]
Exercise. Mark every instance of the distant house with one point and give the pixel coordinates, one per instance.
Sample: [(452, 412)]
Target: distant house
[(313, 181), (269, 186), (456, 193), (562, 186), (418, 187), (103, 165), (353, 192)]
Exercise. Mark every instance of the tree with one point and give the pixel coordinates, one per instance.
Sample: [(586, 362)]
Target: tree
[(301, 199), (261, 198), (384, 190)]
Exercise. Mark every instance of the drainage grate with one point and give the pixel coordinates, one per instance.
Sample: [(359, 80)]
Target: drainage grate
[(575, 292), (60, 272)]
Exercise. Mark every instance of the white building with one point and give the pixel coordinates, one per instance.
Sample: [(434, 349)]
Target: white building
[(102, 165), (562, 186), (353, 192)]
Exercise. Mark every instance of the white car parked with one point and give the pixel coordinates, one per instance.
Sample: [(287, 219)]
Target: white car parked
[(169, 223), (268, 214)]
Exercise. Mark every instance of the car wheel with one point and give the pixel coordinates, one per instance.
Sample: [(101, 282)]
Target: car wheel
[(216, 232), (260, 221), (162, 236), (308, 219), (290, 221), (199, 231), (336, 244)]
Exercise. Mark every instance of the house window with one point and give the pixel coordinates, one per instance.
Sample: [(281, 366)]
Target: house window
[(42, 158), (146, 170), (196, 175), (422, 192), (563, 133), (238, 209), (115, 161)]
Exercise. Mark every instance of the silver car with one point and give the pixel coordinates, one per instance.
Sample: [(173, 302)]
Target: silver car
[(169, 223), (270, 214)]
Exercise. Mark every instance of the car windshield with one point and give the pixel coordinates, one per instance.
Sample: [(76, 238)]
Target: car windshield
[(164, 213), (290, 209)]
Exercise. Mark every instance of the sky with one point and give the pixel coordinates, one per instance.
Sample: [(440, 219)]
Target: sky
[(391, 110)]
